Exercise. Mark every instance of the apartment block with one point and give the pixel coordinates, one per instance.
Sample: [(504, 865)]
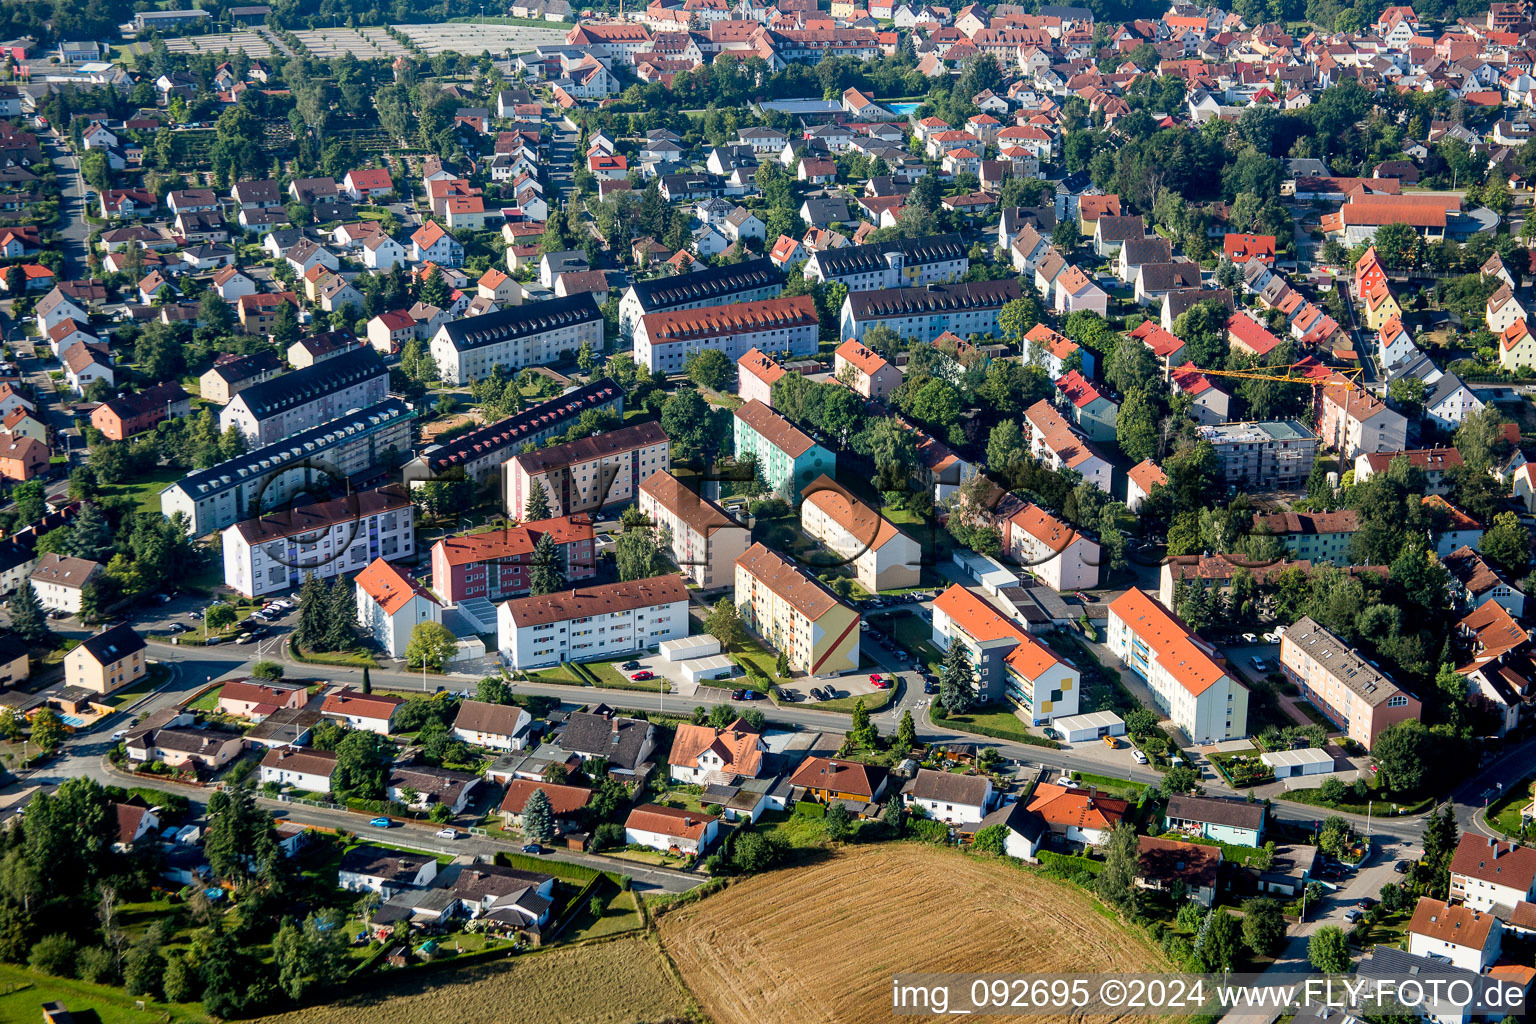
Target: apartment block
[(330, 538), (864, 370), (664, 341), (898, 263), (297, 401), (786, 456), (495, 565), (794, 613), (1337, 680), (589, 623), (747, 281), (1190, 684), (533, 334), (927, 312), (1008, 665), (1263, 455), (706, 541), (883, 558), (591, 473)]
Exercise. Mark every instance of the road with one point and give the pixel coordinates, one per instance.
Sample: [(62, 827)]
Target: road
[(74, 233)]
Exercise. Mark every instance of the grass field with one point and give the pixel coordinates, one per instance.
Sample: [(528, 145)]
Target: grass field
[(146, 488), (1504, 813), (23, 992), (616, 982), (826, 937)]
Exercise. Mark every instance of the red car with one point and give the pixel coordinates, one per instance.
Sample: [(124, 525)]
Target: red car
[(879, 682), (643, 675), (875, 678)]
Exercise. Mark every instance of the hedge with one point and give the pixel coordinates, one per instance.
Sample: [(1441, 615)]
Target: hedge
[(1069, 864), (1027, 738)]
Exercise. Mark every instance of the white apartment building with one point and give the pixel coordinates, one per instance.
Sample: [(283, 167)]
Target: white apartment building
[(591, 473), (590, 623), (706, 541), (390, 605), (883, 557), (533, 334), (1190, 687), (1007, 664), (275, 552), (294, 402), (1052, 551), (898, 263), (59, 581), (747, 281), (664, 341), (1488, 873)]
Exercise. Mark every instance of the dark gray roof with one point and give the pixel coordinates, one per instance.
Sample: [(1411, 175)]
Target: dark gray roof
[(539, 420), (314, 382), (246, 367), (856, 259), (891, 302), (827, 210), (1182, 300), (1216, 811), (1154, 249), (719, 283), (1120, 229), (520, 321), (1162, 277), (949, 787), (1018, 819), (477, 881), (113, 644), (616, 740), (378, 862)]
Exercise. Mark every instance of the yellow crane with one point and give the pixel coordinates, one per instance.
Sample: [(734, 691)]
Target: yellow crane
[(1348, 376)]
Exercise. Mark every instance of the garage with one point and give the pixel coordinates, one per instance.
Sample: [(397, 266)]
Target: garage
[(683, 648), (1086, 728), (696, 670), (1289, 764)]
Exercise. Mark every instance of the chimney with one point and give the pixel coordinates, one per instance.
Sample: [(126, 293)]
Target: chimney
[(613, 724)]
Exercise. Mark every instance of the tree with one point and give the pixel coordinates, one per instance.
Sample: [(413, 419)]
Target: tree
[(27, 618), (724, 623), (313, 955), (1328, 950), (862, 730), (1400, 751), (637, 555), (992, 839), (906, 733), (538, 818), (1507, 544), (432, 644), (267, 670), (220, 616), (238, 836), (1136, 425), (955, 681), (47, 728), (1263, 926), (536, 505), (1179, 780), (1220, 948), (55, 954), (144, 966), (753, 852), (90, 536), (709, 368), (1395, 899), (544, 572), (1117, 881), (838, 822), (362, 764), (491, 690)]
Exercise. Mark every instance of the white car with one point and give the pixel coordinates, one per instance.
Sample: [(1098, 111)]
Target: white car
[(447, 833), (1271, 638), (1138, 756), (1249, 638)]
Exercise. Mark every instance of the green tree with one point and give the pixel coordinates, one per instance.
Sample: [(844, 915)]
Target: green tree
[(906, 733), (544, 571), (1328, 950), (992, 839), (724, 623), (362, 764), (838, 822), (1401, 755), (1397, 246), (47, 728), (637, 555), (709, 368), (955, 693), (56, 954), (1507, 544), (862, 730), (538, 819), (91, 536), (1222, 941), (27, 618), (1263, 926), (144, 966), (1136, 425), (536, 505), (239, 835), (1117, 880), (492, 690), (753, 852), (220, 616), (311, 956), (432, 644), (267, 670)]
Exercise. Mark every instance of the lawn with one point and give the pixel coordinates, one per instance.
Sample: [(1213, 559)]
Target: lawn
[(208, 701), (873, 702), (156, 677), (1379, 806), (652, 857), (22, 993), (145, 489), (999, 720), (1504, 813), (560, 675), (911, 634), (620, 915), (1122, 789)]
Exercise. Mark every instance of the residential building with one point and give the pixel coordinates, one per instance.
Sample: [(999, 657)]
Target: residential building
[(1050, 550), (1353, 420), (496, 565), (748, 281), (1435, 463), (864, 370), (1140, 481), (1271, 455), (883, 558), (497, 726), (1338, 681), (671, 829), (1467, 938), (1188, 683), (266, 477), (851, 782), (231, 374), (898, 263), (386, 871), (948, 797), (1057, 445), (786, 458), (624, 743), (255, 699), (1008, 665), (1488, 873), (420, 786), (1166, 865), (927, 312), (1474, 581), (1315, 536), (1077, 815), (1092, 411), (706, 756), (532, 334), (60, 581), (666, 340), (272, 553), (588, 474), (706, 541), (1234, 822), (127, 415), (312, 771), (369, 712), (794, 613), (390, 604), (286, 405), (107, 661), (591, 623)]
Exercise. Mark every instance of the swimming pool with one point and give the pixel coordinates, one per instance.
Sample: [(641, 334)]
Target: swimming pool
[(902, 109), (73, 721)]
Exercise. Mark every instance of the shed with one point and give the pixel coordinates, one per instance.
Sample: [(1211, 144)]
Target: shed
[(1292, 763), (683, 648), (1084, 728)]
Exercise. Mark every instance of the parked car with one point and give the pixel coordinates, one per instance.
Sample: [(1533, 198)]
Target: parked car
[(643, 675), (1352, 916), (738, 695), (1366, 903), (929, 686), (1138, 756), (1271, 638), (1249, 638), (1260, 664), (630, 666), (382, 823), (1401, 867), (447, 833), (534, 848)]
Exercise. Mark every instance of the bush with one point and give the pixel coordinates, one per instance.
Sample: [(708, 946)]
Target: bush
[(607, 836), (55, 954), (926, 830), (267, 670)]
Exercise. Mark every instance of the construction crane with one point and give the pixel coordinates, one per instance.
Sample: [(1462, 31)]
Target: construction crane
[(1345, 377)]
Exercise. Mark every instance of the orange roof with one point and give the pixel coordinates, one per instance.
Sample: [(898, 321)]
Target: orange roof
[(1163, 343), (563, 799), (1178, 651), (863, 523), (866, 360), (794, 585), (1072, 807), (760, 365), (737, 745), (1071, 449), (512, 541), (1078, 390), (673, 822), (363, 705), (982, 623), (1514, 334), (1249, 333), (1456, 925), (492, 278), (1459, 519), (1059, 345), (735, 318), (1044, 527), (1091, 208), (390, 588), (1147, 474)]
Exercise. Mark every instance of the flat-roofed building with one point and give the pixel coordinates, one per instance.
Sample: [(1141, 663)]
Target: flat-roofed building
[(706, 541), (329, 538), (1190, 685), (1337, 680), (591, 473), (590, 623), (1270, 455), (796, 614), (883, 557), (664, 341)]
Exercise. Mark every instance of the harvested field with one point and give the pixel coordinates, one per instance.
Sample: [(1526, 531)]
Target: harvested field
[(818, 944), (617, 982)]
